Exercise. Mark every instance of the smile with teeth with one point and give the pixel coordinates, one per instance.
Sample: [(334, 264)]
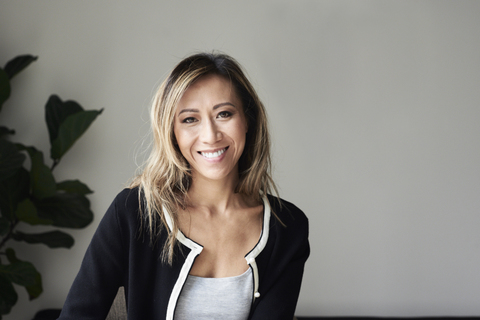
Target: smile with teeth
[(210, 155)]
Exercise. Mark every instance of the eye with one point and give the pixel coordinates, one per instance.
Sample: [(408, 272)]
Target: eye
[(224, 114), (189, 120)]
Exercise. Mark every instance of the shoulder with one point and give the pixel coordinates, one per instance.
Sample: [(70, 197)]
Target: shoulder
[(288, 223), (125, 208), (288, 213), (128, 198)]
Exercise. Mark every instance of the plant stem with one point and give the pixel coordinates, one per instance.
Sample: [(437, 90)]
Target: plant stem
[(54, 164)]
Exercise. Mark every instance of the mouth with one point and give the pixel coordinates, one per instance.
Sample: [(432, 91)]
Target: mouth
[(212, 155)]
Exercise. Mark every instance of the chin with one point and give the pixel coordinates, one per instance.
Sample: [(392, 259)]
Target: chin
[(213, 176)]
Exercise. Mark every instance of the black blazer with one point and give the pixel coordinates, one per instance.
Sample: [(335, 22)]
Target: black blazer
[(120, 254)]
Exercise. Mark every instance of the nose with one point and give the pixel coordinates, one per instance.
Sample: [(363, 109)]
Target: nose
[(210, 134)]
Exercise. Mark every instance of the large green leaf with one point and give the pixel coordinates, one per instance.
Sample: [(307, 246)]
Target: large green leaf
[(4, 87), (12, 191), (74, 186), (20, 272), (26, 212), (56, 111), (10, 159), (41, 178), (18, 63), (33, 290), (68, 210), (53, 239), (8, 295), (70, 130)]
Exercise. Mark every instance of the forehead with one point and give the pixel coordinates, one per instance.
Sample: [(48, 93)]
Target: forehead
[(208, 91)]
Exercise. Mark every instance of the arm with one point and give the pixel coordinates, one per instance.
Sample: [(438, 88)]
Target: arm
[(101, 272)]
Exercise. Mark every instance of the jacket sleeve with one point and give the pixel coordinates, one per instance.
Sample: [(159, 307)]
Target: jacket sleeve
[(280, 301), (101, 272)]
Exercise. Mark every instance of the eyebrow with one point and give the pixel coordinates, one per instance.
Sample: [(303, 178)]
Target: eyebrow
[(214, 107)]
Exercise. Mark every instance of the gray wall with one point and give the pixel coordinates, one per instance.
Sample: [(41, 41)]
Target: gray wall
[(374, 110)]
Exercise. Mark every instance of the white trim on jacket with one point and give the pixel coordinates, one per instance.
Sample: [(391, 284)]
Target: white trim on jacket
[(196, 249)]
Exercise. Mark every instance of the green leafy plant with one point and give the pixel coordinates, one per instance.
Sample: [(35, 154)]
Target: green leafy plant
[(29, 193)]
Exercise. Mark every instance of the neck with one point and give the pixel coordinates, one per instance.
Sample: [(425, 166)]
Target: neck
[(217, 195)]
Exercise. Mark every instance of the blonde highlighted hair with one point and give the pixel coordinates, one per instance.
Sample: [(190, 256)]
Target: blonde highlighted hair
[(166, 178)]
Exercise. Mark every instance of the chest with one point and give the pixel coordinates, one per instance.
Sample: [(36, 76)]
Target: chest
[(225, 243)]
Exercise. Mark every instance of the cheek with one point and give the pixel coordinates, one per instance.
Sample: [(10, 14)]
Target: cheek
[(182, 142), (241, 134), (179, 138), (185, 140)]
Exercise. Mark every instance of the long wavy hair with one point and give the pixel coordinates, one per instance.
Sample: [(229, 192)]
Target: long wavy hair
[(166, 176)]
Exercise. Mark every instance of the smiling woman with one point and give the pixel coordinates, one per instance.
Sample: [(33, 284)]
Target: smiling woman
[(221, 246)]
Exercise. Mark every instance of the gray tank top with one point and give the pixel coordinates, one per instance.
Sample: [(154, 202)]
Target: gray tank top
[(216, 298)]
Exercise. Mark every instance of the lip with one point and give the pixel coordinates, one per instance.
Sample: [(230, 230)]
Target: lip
[(209, 154)]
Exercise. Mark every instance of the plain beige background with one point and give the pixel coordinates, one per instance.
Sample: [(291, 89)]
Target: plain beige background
[(374, 112)]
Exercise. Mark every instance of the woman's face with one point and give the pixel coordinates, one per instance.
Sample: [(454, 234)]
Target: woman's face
[(210, 128)]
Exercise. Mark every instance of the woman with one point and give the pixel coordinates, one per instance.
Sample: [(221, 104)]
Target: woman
[(198, 235)]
